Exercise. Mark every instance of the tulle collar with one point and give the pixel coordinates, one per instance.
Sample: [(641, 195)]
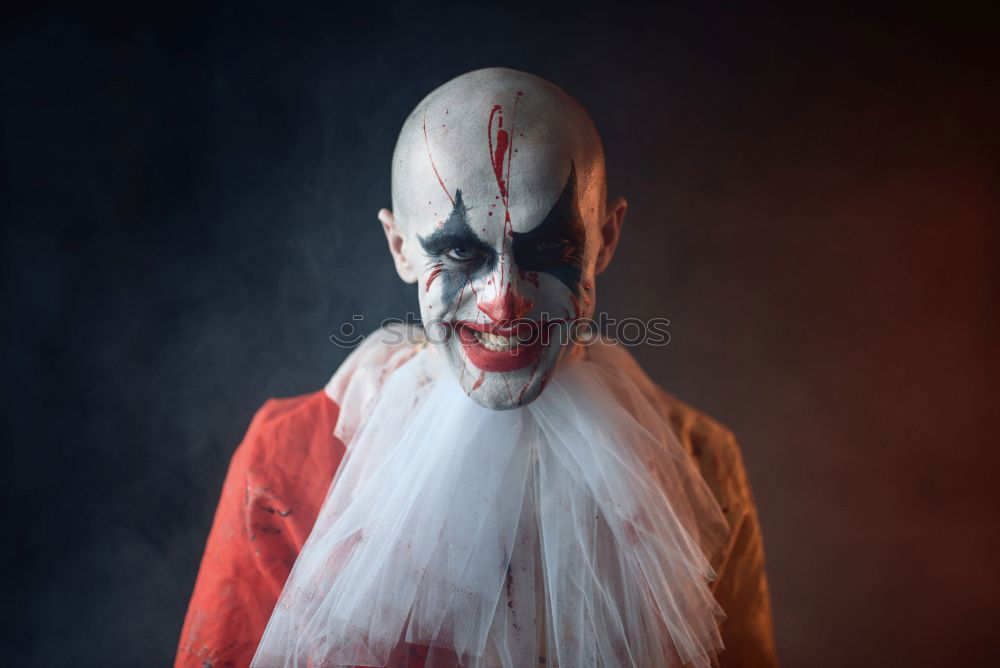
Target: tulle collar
[(576, 528)]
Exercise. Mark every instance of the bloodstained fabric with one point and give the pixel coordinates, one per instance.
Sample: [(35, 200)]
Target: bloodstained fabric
[(279, 478)]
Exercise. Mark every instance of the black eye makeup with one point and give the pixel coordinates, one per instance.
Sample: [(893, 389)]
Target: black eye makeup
[(456, 251), (556, 245), (455, 241)]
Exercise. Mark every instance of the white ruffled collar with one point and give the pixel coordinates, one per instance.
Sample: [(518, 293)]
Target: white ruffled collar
[(577, 523)]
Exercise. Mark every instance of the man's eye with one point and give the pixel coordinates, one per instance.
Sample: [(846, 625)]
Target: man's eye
[(462, 253), (549, 245)]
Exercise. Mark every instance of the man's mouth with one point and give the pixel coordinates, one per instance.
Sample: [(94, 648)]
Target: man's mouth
[(493, 348), (497, 342)]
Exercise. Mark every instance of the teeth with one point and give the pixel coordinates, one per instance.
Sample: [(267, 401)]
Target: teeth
[(495, 342)]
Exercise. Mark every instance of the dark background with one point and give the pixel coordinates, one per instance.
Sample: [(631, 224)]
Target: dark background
[(190, 213)]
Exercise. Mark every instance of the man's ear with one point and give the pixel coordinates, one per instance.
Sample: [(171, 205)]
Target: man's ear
[(397, 246), (611, 229)]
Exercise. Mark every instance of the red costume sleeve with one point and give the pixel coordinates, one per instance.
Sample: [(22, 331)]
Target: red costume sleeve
[(277, 481)]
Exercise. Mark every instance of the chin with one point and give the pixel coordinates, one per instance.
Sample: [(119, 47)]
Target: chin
[(501, 368)]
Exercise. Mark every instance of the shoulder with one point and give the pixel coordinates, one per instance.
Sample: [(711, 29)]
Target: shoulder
[(710, 444), (279, 476), (715, 450), (289, 412), (284, 426), (702, 434), (290, 447)]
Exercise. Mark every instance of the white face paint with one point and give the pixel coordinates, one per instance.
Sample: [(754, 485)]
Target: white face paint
[(498, 185)]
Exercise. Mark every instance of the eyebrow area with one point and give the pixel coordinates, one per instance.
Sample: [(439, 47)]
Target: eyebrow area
[(456, 232)]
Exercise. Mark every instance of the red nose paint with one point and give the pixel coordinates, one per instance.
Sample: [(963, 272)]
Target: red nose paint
[(506, 307)]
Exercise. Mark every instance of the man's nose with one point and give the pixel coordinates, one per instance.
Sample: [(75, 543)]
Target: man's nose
[(508, 305)]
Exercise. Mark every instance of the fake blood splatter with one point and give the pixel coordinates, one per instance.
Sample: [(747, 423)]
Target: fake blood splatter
[(461, 292), (631, 533), (430, 157), (435, 272), (501, 152), (510, 396)]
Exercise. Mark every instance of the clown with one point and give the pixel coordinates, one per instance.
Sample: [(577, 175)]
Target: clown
[(500, 487), (500, 218)]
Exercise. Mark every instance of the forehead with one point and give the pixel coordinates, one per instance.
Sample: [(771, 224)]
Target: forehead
[(507, 163)]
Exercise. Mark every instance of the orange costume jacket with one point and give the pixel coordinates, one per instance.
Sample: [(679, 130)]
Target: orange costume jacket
[(279, 477)]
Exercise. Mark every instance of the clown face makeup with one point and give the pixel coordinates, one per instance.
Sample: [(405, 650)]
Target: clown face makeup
[(500, 219)]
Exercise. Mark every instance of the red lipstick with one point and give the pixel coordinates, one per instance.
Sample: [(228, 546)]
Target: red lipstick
[(485, 359)]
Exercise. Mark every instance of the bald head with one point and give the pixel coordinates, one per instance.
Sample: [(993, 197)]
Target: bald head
[(490, 128)]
